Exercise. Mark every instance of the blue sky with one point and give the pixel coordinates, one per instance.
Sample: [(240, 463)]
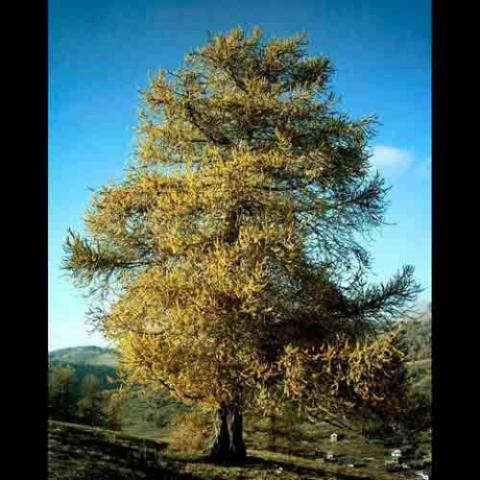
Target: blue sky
[(100, 55)]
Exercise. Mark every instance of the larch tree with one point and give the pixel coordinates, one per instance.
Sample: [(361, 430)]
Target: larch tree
[(60, 395), (91, 405), (228, 266)]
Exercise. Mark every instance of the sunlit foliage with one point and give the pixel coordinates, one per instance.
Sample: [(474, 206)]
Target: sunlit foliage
[(228, 266)]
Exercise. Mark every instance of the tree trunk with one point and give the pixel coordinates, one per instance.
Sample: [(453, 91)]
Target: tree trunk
[(228, 445)]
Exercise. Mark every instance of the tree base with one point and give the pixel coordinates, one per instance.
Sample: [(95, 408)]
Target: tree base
[(227, 445)]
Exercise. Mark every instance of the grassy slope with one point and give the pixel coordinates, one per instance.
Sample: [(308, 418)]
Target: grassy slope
[(110, 445), (143, 420), (265, 465), (423, 369)]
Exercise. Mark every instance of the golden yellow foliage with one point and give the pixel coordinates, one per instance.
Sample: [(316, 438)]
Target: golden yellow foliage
[(228, 257), (190, 432)]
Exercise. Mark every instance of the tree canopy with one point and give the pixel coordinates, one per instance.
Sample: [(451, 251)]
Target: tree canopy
[(228, 266)]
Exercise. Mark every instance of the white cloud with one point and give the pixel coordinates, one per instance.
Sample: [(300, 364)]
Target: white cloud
[(391, 161)]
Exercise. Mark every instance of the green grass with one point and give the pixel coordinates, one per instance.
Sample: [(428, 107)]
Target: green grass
[(266, 465), (425, 364), (143, 419), (78, 461), (297, 449)]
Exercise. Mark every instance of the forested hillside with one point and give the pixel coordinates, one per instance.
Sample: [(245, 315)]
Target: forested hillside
[(419, 335)]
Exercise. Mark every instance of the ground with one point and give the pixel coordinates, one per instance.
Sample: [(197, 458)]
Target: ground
[(86, 453)]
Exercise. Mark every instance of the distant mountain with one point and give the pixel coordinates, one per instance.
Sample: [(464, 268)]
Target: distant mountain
[(98, 361), (140, 415), (87, 355)]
